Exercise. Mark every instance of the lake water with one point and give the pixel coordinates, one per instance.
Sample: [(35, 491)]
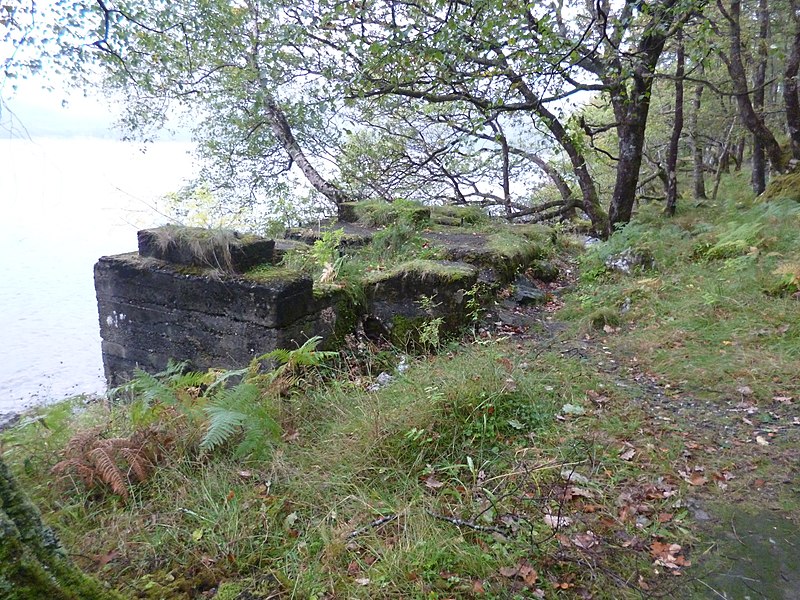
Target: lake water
[(64, 203)]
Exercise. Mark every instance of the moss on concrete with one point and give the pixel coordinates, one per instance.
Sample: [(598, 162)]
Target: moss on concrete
[(268, 272), (783, 186), (379, 214), (458, 215), (446, 270)]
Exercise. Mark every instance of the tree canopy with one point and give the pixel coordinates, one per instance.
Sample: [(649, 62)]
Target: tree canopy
[(531, 108)]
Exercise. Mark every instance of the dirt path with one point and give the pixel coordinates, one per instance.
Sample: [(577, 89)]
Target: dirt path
[(743, 456)]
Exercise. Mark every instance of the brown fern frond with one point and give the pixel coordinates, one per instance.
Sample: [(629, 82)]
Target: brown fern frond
[(108, 471), (138, 461), (83, 441)]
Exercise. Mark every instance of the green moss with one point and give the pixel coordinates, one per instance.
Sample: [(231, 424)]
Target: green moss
[(459, 215), (783, 186), (230, 590), (378, 214), (604, 316), (267, 272), (449, 271), (347, 303)]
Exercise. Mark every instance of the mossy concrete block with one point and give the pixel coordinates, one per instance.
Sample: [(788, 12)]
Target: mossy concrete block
[(354, 236), (221, 249), (151, 311), (499, 254), (417, 291), (284, 246), (458, 215)]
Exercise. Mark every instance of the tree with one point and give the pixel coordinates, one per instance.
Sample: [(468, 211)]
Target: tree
[(677, 127), (32, 562)]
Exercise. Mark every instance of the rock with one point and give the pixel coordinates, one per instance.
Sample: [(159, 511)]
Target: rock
[(529, 296), (543, 270), (629, 259)]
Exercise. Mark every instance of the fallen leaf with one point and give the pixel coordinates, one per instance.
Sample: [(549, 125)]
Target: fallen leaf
[(197, 534), (528, 575), (507, 364), (745, 390), (665, 517), (291, 436), (509, 572), (783, 399), (103, 559), (571, 476), (627, 454), (556, 522), (245, 474), (353, 568), (584, 540), (231, 495), (696, 479), (433, 483), (573, 409), (477, 587), (575, 491), (362, 581), (761, 440)]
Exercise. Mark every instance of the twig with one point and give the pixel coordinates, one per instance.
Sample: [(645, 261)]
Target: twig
[(711, 588), (371, 525), (462, 523), (736, 535)]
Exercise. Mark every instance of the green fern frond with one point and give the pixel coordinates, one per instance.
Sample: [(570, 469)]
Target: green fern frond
[(223, 424)]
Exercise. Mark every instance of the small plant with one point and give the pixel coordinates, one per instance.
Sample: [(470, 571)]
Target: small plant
[(241, 410), (326, 249)]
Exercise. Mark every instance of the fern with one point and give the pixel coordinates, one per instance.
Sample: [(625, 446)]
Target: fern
[(294, 364), (116, 463), (241, 412)]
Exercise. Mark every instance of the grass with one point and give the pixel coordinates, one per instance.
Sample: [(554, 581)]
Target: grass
[(710, 321), (446, 481)]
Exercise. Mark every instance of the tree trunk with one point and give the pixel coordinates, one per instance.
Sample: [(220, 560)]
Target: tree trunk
[(631, 145), (631, 107), (591, 202), (758, 179), (32, 562), (751, 119), (698, 162), (677, 128), (791, 98), (283, 132)]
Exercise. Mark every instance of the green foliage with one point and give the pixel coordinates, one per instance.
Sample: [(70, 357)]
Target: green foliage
[(241, 410)]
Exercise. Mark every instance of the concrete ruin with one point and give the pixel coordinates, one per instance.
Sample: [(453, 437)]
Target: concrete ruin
[(218, 299)]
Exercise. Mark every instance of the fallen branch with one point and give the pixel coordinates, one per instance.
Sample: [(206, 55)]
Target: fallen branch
[(462, 523), (372, 525)]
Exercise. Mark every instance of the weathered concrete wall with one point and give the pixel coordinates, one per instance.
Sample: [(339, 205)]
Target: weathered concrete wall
[(151, 311), (184, 296)]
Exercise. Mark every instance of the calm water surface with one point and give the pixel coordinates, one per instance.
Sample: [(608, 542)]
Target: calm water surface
[(64, 203)]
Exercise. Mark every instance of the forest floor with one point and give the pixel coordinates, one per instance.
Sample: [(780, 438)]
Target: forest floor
[(740, 469), (637, 436)]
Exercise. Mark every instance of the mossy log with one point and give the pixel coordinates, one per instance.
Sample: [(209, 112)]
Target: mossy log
[(33, 564)]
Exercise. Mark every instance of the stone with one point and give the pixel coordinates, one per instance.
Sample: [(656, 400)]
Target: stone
[(543, 270), (629, 259), (529, 296)]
